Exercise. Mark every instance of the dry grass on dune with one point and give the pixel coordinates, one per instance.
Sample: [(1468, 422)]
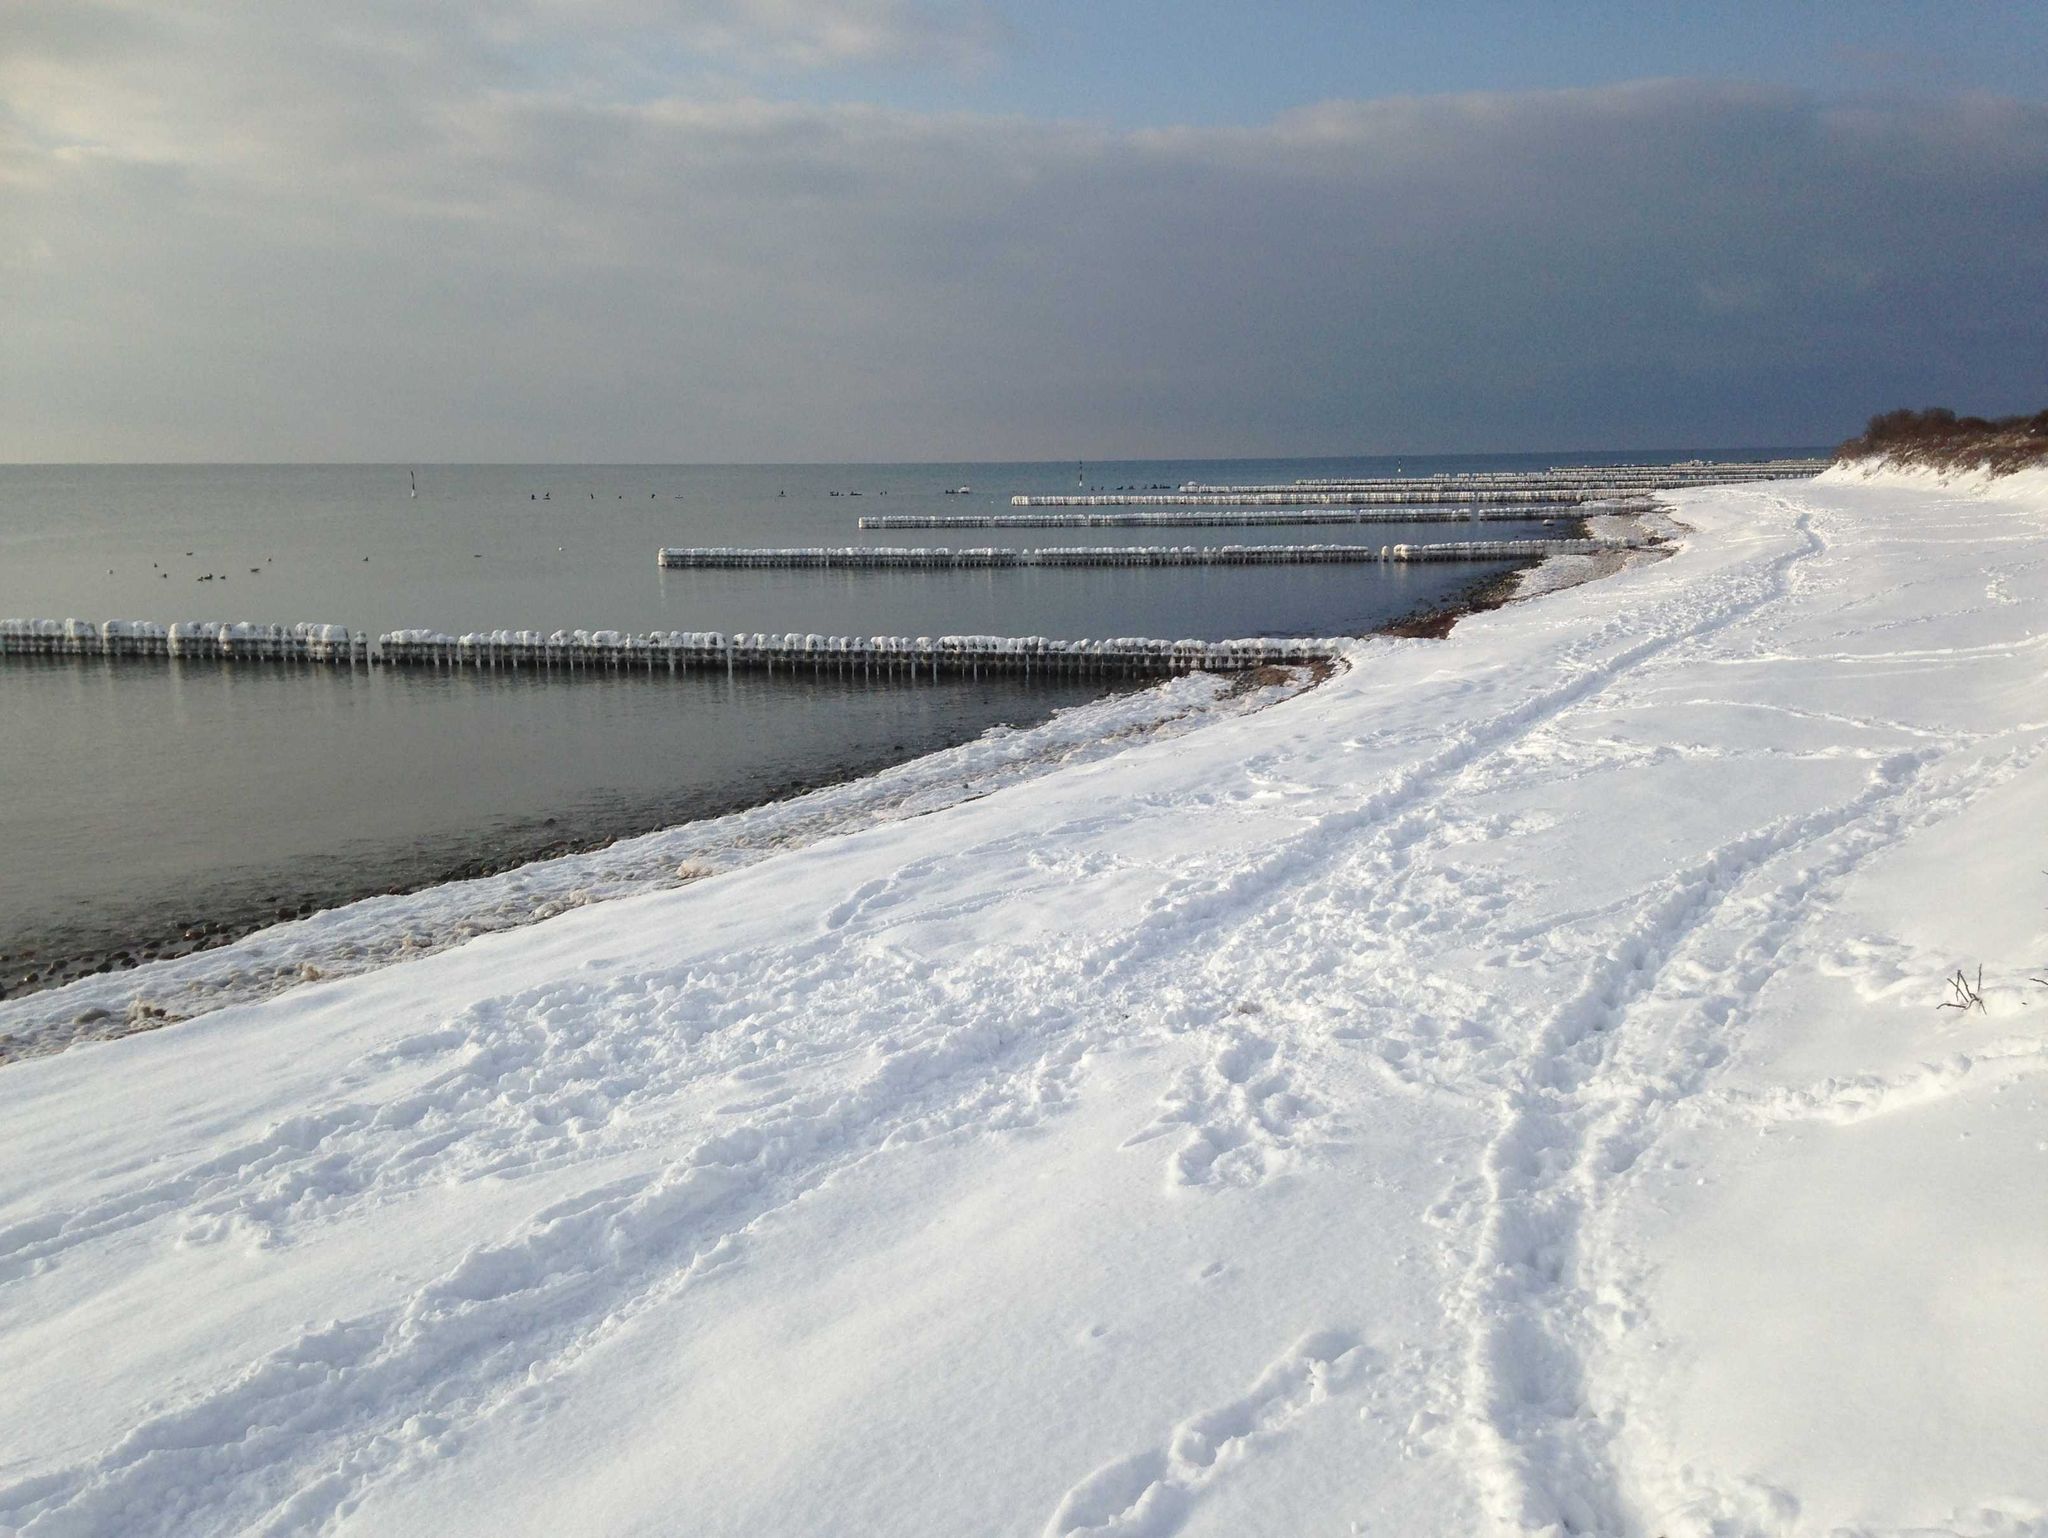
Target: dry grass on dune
[(1938, 438)]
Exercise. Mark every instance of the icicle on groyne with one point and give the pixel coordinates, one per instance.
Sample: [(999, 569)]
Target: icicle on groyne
[(1425, 496), (923, 558), (680, 650), (1566, 484), (655, 651), (1228, 518), (1639, 477), (216, 639)]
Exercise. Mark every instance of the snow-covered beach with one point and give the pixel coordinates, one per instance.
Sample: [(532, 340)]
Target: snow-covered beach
[(1501, 1089)]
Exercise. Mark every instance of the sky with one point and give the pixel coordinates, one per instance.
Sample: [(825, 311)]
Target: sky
[(780, 230)]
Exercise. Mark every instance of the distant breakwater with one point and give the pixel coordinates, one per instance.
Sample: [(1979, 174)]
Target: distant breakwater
[(1567, 485), (1297, 497), (939, 558), (1597, 479), (573, 651), (1227, 518)]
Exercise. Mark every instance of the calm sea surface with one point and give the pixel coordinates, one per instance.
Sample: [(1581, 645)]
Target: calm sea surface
[(146, 805)]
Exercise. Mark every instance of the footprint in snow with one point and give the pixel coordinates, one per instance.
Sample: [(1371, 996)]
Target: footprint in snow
[(1151, 1494), (1239, 1115)]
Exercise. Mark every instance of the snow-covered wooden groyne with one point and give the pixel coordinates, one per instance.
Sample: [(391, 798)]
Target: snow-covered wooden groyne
[(1225, 517), (1510, 549), (1562, 489), (680, 650), (1566, 484), (1282, 497), (936, 558), (218, 639), (1581, 477), (655, 651)]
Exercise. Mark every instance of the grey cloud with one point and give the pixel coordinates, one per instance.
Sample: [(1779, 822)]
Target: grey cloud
[(817, 34), (443, 262)]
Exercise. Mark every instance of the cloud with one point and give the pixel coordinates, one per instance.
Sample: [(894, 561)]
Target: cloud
[(405, 239), (810, 34)]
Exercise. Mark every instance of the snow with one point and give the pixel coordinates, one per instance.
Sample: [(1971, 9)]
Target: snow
[(1501, 1089), (2027, 486)]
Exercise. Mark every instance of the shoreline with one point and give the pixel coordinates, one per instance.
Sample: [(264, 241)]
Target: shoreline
[(373, 931), (93, 981), (505, 851), (1552, 574)]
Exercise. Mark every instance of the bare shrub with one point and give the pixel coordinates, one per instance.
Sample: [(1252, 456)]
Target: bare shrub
[(1937, 437)]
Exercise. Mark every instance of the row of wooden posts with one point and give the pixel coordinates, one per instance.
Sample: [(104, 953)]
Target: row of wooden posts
[(941, 558), (1428, 496), (1220, 517), (1569, 484), (670, 650), (1641, 477)]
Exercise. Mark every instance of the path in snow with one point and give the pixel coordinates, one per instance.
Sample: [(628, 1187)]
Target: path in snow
[(1343, 1118)]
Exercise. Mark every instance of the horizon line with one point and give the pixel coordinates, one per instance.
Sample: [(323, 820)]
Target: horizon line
[(805, 464)]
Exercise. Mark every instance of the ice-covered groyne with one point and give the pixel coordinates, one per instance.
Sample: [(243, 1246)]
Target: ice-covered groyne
[(220, 639), (1226, 517), (685, 649), (659, 650), (1421, 496), (1566, 484), (937, 558), (1563, 477)]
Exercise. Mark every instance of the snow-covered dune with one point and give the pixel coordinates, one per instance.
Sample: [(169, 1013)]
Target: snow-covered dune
[(2028, 485), (1500, 1090)]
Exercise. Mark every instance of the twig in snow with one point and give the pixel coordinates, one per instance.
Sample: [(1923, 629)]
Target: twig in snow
[(1966, 995)]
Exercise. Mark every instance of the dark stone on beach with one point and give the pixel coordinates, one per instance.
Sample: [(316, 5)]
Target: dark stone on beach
[(87, 1016)]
